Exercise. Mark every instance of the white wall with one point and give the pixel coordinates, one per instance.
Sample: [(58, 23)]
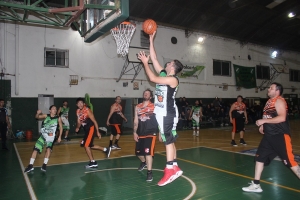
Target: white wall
[(100, 66)]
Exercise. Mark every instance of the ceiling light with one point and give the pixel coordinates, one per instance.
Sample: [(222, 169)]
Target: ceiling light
[(291, 15), (200, 39), (274, 54)]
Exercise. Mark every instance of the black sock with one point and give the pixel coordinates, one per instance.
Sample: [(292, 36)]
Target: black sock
[(110, 142), (170, 163), (149, 171), (256, 181), (116, 141)]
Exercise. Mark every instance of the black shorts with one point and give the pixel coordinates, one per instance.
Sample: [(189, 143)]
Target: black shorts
[(88, 139), (116, 129), (167, 128), (238, 124), (145, 146), (276, 145)]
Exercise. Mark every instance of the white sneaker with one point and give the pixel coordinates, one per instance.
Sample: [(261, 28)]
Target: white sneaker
[(252, 188)]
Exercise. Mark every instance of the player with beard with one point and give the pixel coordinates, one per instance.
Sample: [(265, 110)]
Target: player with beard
[(144, 132)]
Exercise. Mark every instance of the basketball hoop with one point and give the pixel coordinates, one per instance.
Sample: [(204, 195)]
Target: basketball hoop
[(122, 34)]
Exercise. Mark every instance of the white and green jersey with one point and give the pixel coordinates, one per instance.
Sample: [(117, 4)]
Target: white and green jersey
[(49, 127), (64, 112), (164, 101), (196, 111)]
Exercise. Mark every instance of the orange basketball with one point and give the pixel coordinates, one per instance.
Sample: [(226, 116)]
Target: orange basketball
[(149, 26)]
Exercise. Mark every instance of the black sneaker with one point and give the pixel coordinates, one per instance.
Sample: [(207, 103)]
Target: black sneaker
[(233, 143), (107, 152), (242, 141), (91, 165), (149, 177), (5, 148), (142, 166), (117, 146), (113, 147), (44, 167), (29, 168), (67, 139)]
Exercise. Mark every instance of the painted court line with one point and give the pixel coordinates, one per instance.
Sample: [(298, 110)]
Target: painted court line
[(235, 174), (29, 186), (194, 188)]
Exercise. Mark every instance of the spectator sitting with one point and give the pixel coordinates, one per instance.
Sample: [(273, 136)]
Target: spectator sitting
[(222, 117), (216, 104), (213, 112), (187, 118)]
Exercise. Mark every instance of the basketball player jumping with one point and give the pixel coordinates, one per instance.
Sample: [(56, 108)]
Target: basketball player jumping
[(165, 108)]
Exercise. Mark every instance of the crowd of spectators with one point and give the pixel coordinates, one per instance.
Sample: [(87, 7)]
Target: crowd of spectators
[(215, 113)]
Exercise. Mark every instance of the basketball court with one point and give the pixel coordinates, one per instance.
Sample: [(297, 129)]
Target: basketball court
[(213, 169)]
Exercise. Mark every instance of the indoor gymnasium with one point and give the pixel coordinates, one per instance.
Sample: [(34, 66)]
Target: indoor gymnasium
[(150, 99)]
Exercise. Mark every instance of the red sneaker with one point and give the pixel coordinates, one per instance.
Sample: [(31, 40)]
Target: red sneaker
[(167, 178), (178, 172)]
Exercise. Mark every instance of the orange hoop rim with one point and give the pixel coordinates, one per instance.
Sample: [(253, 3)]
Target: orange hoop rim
[(125, 23)]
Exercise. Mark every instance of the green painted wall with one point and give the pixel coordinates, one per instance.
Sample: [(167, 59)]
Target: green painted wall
[(5, 90), (24, 110)]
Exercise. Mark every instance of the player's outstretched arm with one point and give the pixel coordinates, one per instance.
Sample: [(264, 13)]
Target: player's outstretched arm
[(92, 117), (171, 81), (78, 125), (155, 62), (112, 109), (40, 115)]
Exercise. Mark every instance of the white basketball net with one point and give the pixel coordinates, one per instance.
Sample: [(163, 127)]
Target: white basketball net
[(122, 34)]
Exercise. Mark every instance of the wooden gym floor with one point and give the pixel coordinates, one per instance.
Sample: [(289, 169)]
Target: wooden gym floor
[(213, 169)]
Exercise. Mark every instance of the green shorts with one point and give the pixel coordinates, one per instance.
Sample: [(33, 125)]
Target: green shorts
[(40, 143)]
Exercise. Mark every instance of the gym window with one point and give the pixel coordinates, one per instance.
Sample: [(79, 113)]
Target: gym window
[(56, 57), (262, 72), (221, 68), (144, 39), (294, 75)]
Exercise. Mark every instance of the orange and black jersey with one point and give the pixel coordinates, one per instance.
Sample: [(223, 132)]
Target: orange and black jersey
[(239, 109), (270, 112), (147, 122), (116, 117), (83, 117)]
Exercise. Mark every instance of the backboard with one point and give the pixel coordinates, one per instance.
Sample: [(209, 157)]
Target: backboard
[(100, 21), (280, 68), (133, 51)]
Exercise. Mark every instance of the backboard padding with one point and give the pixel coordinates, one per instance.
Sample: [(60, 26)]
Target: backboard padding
[(112, 19)]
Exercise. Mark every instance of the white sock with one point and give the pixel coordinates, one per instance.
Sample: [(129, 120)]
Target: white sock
[(175, 163), (170, 166), (31, 161), (46, 160), (92, 160), (104, 149)]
